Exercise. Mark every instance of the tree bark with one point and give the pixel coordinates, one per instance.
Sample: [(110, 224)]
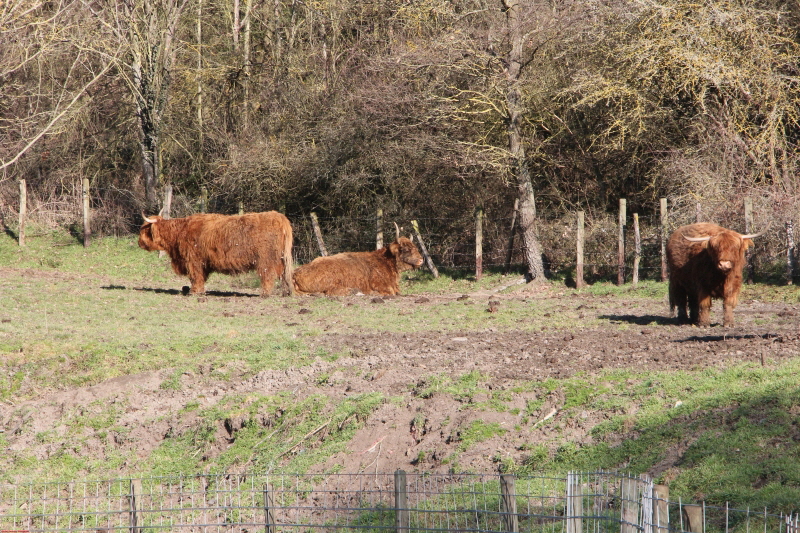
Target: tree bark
[(151, 29), (519, 165)]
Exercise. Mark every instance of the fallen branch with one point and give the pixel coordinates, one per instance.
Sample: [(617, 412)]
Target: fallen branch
[(550, 415), (312, 433)]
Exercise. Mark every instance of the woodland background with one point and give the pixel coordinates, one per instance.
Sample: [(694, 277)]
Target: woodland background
[(419, 107)]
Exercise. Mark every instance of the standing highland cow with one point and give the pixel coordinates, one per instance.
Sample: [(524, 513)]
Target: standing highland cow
[(376, 272), (201, 244), (705, 262)]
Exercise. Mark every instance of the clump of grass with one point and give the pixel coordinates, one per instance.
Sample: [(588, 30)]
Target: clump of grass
[(463, 388), (478, 431), (277, 433)]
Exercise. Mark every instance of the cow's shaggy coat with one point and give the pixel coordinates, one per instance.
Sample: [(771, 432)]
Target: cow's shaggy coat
[(705, 262), (376, 272), (201, 244)]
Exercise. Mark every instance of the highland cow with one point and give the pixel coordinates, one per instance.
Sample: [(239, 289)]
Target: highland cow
[(705, 262), (201, 244), (376, 272)]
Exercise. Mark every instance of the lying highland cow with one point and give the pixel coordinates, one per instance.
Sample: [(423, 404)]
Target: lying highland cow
[(376, 272), (201, 244), (705, 262)]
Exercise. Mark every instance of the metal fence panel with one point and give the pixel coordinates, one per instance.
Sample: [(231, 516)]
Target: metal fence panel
[(595, 502)]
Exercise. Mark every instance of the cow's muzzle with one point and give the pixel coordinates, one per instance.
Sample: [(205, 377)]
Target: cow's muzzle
[(725, 265)]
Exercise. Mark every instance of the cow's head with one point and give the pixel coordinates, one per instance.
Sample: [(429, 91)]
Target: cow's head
[(405, 254), (149, 238), (726, 248)]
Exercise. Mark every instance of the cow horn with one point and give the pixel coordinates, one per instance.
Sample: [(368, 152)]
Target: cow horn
[(148, 220), (753, 235), (697, 239), (397, 229)]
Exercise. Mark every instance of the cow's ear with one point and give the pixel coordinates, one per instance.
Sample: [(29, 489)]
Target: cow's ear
[(394, 248), (747, 243)]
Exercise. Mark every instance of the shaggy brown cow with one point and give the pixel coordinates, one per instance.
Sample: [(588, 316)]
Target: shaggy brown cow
[(201, 244), (705, 262), (376, 272)]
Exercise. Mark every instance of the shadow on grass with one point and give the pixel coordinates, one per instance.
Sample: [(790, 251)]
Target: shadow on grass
[(184, 291), (718, 338), (640, 320), (423, 275)]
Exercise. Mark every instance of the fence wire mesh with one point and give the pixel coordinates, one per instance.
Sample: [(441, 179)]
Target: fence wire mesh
[(578, 503)]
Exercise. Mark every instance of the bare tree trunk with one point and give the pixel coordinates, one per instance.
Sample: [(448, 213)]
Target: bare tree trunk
[(199, 33), (150, 164), (150, 29), (519, 165), (236, 25), (246, 60)]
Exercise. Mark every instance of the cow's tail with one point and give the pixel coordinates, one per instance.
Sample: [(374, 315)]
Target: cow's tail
[(288, 263)]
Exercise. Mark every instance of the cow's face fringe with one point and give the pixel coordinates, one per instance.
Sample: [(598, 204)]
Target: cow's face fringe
[(149, 234)]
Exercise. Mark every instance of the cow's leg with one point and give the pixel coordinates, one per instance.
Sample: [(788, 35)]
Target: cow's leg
[(268, 276), (704, 308), (693, 308), (728, 306), (198, 283), (678, 299), (198, 276)]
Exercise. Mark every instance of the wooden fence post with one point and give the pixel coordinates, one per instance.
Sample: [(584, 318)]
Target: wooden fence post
[(87, 231), (698, 216), (637, 239), (400, 502), (748, 228), (790, 252), (512, 232), (379, 236), (508, 504), (478, 243), (318, 234), (661, 508), (664, 230), (165, 211), (135, 510), (269, 504), (241, 207), (621, 244), (23, 211), (203, 199), (167, 207), (428, 260), (579, 242), (629, 505), (574, 504), (693, 515)]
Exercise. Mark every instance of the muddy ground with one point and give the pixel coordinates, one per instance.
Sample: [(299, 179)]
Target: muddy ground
[(422, 430)]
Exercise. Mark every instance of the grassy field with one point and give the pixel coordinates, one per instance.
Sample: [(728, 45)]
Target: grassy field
[(72, 318)]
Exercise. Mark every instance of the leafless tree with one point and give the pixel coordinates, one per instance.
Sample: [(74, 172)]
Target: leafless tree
[(45, 43), (148, 31)]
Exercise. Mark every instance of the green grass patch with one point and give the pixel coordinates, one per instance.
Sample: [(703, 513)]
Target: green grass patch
[(272, 432)]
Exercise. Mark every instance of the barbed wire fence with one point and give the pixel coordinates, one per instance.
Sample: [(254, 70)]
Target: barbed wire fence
[(591, 502), (452, 243)]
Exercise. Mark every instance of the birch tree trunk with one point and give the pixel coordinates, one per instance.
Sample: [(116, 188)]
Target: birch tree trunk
[(149, 29), (519, 165)]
